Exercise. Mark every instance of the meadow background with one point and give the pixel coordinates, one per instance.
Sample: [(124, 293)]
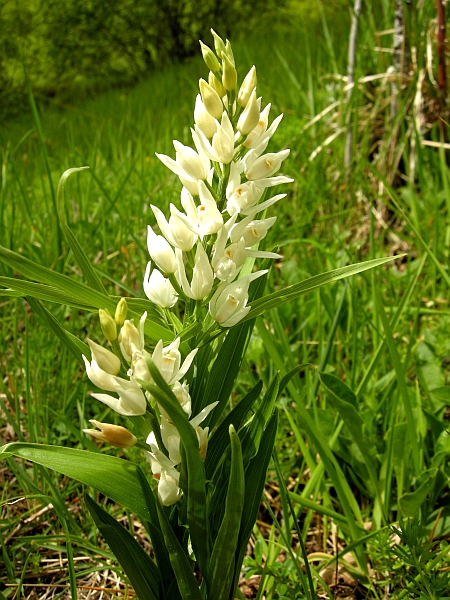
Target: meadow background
[(107, 84)]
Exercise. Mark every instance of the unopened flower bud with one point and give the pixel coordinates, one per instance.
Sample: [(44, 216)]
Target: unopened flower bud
[(121, 312), (247, 87), (112, 434), (105, 359), (108, 325), (211, 99), (229, 75), (131, 338), (250, 117), (216, 84), (203, 119), (218, 43), (161, 252), (210, 58), (228, 52)]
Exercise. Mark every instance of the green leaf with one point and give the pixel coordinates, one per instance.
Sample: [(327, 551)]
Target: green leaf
[(138, 566), (294, 291), (220, 439), (344, 400), (157, 538), (410, 502), (225, 370), (75, 346), (78, 252), (115, 477), (221, 566), (292, 373), (252, 433), (442, 394), (23, 288), (196, 486), (255, 478), (82, 294), (181, 565)]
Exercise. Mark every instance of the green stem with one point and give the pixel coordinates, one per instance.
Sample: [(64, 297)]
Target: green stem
[(176, 285), (222, 187)]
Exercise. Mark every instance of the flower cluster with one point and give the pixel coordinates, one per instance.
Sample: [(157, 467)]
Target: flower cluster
[(132, 400), (203, 247), (198, 257)]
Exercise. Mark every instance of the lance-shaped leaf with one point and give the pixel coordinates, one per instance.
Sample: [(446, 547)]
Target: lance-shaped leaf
[(78, 252), (221, 567), (294, 291), (344, 400), (255, 478), (220, 439), (252, 433), (115, 477), (78, 292), (196, 487), (138, 566), (76, 346), (181, 565)]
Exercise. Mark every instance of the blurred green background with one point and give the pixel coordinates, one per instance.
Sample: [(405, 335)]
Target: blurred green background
[(78, 47)]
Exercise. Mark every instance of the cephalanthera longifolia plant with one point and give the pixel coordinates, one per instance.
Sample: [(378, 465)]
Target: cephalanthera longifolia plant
[(170, 367)]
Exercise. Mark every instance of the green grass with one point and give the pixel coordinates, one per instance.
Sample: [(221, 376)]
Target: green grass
[(378, 418)]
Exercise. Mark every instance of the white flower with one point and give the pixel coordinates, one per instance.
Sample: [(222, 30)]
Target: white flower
[(202, 275), (221, 148), (131, 402), (181, 392), (202, 436), (158, 289), (260, 133), (131, 338), (204, 219), (228, 306), (252, 231), (161, 252), (164, 471), (175, 231), (250, 116), (265, 165), (204, 121), (242, 197), (247, 86), (168, 361), (171, 439), (189, 166), (105, 359), (168, 490), (139, 366), (100, 378), (192, 163), (229, 264)]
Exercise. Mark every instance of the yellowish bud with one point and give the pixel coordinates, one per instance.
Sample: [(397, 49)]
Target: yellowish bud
[(216, 85), (210, 58), (229, 75), (247, 87), (108, 325), (121, 312), (112, 434), (218, 43), (228, 52), (211, 100)]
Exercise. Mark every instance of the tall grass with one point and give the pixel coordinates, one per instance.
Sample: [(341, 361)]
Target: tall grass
[(363, 437)]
